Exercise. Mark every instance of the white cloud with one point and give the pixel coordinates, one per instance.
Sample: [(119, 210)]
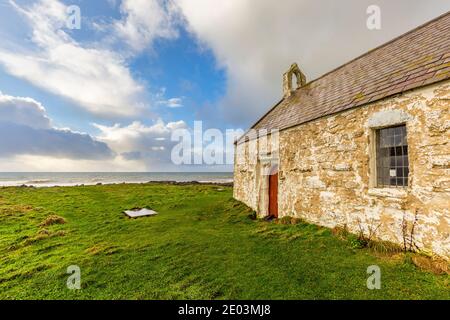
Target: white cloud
[(138, 137), (145, 21), (150, 145), (255, 41), (93, 76), (172, 102)]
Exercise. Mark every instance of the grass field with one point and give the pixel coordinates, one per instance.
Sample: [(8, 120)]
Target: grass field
[(202, 245)]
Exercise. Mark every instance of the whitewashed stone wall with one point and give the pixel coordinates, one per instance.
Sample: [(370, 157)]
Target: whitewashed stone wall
[(326, 171)]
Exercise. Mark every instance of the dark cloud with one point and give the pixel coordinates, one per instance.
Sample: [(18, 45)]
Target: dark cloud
[(133, 155), (18, 139), (25, 111), (25, 129)]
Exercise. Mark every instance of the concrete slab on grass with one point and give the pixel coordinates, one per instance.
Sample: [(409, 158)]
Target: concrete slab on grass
[(140, 213)]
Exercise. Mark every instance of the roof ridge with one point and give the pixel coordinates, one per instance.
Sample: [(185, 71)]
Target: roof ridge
[(329, 93), (379, 47)]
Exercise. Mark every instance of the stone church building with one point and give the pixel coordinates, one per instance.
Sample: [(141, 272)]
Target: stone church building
[(365, 146)]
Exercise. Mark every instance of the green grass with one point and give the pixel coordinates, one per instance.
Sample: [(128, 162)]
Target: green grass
[(202, 245)]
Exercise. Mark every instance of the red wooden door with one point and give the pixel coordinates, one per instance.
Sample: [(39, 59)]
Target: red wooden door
[(273, 195)]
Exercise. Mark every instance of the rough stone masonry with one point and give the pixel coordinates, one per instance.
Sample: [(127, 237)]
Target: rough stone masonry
[(327, 152), (325, 173)]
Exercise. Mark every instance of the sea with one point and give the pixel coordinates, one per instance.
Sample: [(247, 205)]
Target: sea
[(49, 179)]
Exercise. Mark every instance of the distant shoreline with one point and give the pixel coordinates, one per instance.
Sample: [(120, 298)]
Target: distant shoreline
[(168, 182), (183, 183), (69, 179)]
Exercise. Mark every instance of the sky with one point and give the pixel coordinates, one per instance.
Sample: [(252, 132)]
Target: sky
[(111, 93)]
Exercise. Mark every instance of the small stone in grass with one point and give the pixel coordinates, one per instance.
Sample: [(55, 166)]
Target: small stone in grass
[(136, 213), (53, 219)]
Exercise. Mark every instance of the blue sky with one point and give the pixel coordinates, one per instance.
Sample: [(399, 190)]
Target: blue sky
[(139, 69), (178, 66)]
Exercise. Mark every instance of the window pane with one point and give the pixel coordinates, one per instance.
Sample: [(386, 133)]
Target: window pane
[(392, 157), (397, 140), (393, 160), (392, 152)]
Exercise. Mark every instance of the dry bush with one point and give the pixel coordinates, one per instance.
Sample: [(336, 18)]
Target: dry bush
[(431, 264), (51, 220), (365, 238), (44, 231), (384, 247), (341, 232), (408, 233), (41, 235)]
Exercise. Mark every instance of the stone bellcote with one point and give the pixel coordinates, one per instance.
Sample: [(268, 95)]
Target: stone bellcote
[(287, 80)]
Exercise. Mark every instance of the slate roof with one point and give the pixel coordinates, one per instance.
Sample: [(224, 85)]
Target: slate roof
[(414, 59)]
